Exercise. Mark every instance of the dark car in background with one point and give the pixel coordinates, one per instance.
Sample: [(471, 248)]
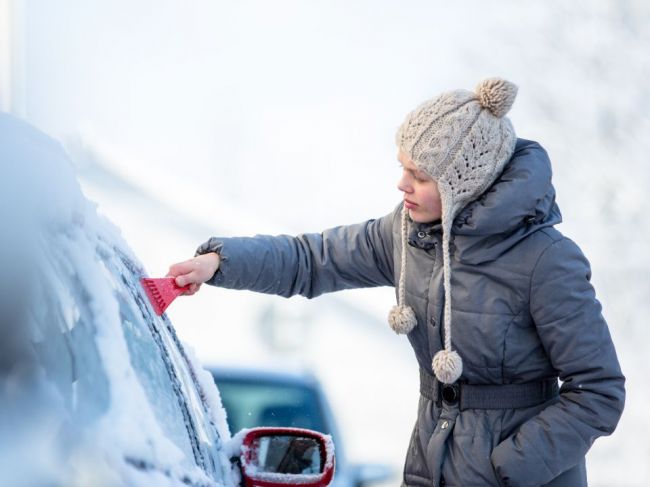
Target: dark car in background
[(254, 397)]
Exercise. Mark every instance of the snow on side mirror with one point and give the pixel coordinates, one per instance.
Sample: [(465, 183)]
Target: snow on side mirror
[(286, 456)]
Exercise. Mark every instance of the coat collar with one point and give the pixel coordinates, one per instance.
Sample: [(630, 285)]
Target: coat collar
[(424, 235)]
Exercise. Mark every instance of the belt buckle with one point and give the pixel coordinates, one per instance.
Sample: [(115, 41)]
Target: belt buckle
[(449, 393)]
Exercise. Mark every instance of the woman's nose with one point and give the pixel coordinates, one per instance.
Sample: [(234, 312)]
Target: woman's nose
[(404, 185)]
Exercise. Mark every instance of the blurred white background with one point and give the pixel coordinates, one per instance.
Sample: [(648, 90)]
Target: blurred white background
[(193, 119)]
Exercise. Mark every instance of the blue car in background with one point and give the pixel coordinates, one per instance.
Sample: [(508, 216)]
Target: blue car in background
[(254, 397)]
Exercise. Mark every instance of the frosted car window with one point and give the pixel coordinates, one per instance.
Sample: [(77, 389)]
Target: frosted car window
[(150, 362), (170, 371), (208, 441), (64, 335)]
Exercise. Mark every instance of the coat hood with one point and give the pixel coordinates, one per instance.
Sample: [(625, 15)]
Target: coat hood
[(520, 202)]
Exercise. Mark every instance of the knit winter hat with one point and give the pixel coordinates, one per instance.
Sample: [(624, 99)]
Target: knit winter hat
[(462, 140)]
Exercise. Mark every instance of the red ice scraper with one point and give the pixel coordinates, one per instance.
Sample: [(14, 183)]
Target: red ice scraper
[(161, 292)]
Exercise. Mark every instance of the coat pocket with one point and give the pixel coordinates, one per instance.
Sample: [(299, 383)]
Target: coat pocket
[(467, 462)]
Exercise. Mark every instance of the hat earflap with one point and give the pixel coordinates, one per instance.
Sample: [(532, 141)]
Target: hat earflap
[(447, 364), (401, 317)]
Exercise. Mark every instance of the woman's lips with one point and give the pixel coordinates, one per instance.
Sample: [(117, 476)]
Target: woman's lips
[(410, 205)]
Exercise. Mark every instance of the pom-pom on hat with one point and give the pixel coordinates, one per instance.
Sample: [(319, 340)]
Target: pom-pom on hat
[(462, 140)]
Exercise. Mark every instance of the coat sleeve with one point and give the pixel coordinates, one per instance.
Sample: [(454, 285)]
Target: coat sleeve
[(310, 264), (577, 340)]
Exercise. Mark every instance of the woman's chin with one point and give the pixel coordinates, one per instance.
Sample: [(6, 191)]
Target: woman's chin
[(419, 217), (416, 216)]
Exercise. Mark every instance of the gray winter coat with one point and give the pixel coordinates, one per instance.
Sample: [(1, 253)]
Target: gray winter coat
[(523, 310)]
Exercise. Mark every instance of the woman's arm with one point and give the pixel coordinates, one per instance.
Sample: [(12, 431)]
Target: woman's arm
[(344, 257), (577, 340)]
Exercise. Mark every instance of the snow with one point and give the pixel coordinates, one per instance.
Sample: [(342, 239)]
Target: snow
[(233, 448), (128, 439), (329, 451), (67, 238), (222, 112), (288, 479), (210, 394)]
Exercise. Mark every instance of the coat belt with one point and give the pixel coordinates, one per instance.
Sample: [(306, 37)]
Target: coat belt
[(488, 396)]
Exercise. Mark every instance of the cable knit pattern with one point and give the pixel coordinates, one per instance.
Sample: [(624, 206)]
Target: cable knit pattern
[(462, 140), (427, 114), (479, 159)]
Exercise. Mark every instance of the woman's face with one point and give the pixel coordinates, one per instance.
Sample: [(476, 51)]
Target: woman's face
[(421, 195)]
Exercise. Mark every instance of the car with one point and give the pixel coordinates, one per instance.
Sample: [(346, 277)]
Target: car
[(95, 387), (286, 397)]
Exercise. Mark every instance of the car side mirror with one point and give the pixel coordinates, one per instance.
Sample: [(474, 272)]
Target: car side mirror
[(273, 457)]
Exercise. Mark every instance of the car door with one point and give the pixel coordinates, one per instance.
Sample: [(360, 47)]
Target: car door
[(131, 404), (94, 388)]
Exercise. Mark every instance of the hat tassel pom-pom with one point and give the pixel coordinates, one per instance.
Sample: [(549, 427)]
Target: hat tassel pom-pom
[(448, 366), (402, 319)]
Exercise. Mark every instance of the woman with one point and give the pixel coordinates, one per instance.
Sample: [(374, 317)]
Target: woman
[(495, 301)]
